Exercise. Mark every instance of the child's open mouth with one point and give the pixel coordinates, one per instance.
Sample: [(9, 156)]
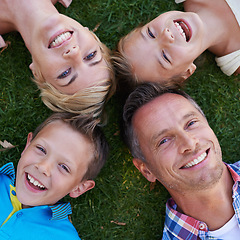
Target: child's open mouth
[(34, 183), (183, 28)]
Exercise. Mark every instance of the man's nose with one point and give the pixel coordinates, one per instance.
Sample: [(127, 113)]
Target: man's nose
[(187, 142)]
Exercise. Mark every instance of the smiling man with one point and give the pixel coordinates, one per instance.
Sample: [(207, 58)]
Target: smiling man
[(171, 141)]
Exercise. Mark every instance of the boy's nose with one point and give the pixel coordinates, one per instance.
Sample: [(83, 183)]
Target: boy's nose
[(44, 167)]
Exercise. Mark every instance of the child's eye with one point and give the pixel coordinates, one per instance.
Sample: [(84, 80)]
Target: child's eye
[(191, 123), (90, 56), (65, 73), (165, 56), (150, 34), (64, 167), (41, 149)]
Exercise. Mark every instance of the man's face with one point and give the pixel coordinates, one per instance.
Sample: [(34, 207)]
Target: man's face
[(52, 165), (180, 148)]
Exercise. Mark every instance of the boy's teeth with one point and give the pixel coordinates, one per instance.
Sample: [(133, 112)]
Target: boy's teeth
[(60, 39), (196, 160), (35, 182)]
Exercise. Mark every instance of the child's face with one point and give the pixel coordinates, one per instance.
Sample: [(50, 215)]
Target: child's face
[(161, 49), (52, 165)]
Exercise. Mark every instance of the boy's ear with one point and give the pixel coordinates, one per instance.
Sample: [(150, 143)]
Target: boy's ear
[(82, 188), (189, 71), (29, 139), (142, 167)]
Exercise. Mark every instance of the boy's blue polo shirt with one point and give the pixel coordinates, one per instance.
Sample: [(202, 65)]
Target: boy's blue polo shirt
[(41, 222)]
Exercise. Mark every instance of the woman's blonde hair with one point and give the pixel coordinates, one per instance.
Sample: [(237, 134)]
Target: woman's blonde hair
[(88, 101)]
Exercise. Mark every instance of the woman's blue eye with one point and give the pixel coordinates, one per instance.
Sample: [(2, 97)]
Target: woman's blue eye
[(150, 33), (191, 123), (91, 55), (64, 74)]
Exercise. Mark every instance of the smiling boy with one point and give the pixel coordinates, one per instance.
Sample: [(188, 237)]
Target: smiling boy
[(62, 157)]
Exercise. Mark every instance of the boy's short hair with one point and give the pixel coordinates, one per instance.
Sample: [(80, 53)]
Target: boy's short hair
[(87, 127), (86, 101)]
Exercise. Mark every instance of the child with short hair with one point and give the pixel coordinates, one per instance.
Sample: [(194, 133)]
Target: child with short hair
[(62, 157)]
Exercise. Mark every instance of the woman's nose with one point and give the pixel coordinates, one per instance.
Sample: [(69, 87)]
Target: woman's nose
[(167, 35), (71, 51)]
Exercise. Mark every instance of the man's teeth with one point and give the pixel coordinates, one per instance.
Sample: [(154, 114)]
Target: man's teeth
[(180, 30), (196, 160), (35, 182), (60, 39)]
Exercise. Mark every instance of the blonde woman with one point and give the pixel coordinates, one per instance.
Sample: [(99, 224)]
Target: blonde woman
[(70, 65), (164, 49)]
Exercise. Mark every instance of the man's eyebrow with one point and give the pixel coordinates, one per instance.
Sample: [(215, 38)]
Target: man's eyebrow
[(162, 132)]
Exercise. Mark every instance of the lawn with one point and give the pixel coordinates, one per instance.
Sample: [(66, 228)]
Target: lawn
[(123, 205)]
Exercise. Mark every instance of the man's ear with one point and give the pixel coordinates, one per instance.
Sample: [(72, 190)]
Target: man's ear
[(141, 166), (29, 139), (82, 188), (191, 69)]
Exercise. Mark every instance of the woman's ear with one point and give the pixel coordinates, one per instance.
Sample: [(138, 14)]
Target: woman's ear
[(32, 68), (142, 167), (82, 188)]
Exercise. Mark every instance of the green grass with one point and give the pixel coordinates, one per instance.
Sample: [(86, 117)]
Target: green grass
[(121, 206)]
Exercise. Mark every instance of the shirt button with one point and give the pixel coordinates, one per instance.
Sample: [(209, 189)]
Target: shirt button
[(19, 214), (13, 193), (201, 226)]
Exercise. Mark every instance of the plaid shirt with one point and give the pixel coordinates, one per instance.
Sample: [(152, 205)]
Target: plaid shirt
[(183, 227)]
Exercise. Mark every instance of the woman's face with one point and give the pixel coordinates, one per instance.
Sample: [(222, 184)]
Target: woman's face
[(165, 47), (67, 55)]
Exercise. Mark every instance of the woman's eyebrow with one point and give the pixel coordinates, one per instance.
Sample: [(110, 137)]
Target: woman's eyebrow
[(71, 80)]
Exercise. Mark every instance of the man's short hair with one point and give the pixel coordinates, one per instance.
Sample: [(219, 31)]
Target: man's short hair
[(87, 127), (142, 95)]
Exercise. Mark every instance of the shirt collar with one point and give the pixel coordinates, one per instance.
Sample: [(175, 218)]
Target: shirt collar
[(59, 210), (184, 226), (8, 169)]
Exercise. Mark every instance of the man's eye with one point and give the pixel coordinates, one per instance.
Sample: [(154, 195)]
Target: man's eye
[(165, 56), (90, 56), (65, 73), (41, 149), (64, 167), (150, 34), (163, 141)]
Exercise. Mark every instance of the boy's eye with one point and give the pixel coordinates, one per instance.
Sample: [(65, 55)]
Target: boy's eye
[(64, 167), (191, 123), (165, 56), (65, 73), (41, 149), (90, 56), (150, 34)]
